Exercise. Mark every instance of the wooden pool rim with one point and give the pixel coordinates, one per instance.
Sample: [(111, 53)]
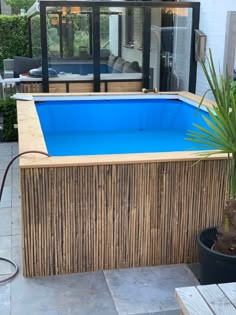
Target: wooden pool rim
[(31, 138), (116, 211)]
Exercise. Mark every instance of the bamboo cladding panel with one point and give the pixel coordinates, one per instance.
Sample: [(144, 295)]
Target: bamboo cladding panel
[(86, 218)]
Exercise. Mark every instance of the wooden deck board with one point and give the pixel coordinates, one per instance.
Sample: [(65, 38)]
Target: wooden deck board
[(207, 299)]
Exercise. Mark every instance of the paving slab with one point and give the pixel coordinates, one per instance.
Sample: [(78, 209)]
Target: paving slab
[(173, 312), (5, 221), (15, 221), (147, 290), (4, 160), (5, 251), (6, 201), (5, 302), (15, 148), (16, 251), (5, 149), (8, 178), (83, 294), (16, 194)]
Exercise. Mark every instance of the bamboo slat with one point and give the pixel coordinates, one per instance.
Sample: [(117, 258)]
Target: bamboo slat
[(87, 218)]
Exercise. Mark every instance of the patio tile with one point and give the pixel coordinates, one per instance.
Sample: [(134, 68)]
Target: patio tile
[(5, 221), (83, 294), (173, 312), (5, 306), (15, 221), (147, 290), (4, 160), (15, 148), (16, 194), (6, 197), (8, 178), (16, 251), (5, 149), (5, 251)]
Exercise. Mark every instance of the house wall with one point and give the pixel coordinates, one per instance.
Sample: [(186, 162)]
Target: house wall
[(213, 15), (5, 9)]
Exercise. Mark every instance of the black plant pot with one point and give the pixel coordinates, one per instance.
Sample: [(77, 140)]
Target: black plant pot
[(214, 266)]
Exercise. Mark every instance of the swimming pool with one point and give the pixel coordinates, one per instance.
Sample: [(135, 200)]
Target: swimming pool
[(92, 211), (110, 125)]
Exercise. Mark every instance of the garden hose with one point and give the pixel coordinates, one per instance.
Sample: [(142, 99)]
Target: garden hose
[(16, 268)]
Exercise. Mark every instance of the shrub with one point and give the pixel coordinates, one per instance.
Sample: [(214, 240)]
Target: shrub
[(8, 108), (14, 37)]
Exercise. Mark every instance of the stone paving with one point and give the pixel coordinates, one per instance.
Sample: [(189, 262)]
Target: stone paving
[(136, 291)]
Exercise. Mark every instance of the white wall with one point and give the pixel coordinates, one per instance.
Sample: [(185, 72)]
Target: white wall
[(213, 23), (6, 9)]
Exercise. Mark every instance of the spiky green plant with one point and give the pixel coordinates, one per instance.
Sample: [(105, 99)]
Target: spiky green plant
[(220, 137)]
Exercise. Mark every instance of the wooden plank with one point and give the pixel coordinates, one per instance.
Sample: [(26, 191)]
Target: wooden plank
[(57, 87), (216, 299), (229, 290), (191, 302)]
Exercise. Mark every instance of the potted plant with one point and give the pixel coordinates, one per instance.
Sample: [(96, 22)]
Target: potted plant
[(218, 244)]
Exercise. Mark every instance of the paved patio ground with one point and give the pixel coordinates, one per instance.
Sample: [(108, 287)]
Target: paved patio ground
[(137, 291)]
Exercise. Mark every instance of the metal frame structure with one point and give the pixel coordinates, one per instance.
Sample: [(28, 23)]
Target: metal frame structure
[(96, 5)]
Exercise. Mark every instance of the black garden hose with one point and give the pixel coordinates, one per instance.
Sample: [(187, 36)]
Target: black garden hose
[(16, 268)]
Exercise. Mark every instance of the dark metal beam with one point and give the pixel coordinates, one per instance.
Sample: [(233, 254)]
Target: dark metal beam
[(60, 35), (131, 3), (44, 46), (96, 49), (193, 62), (146, 45)]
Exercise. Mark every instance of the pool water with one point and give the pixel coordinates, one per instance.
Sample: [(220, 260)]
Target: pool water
[(113, 126), (79, 68)]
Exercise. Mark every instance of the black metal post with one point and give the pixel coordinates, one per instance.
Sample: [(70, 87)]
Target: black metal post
[(60, 35), (146, 45), (90, 35), (44, 46), (119, 34), (193, 62), (96, 49)]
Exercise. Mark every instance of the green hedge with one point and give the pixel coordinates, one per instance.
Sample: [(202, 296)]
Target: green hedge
[(8, 108), (14, 37)]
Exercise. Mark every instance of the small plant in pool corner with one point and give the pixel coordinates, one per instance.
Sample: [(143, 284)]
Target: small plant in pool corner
[(219, 136)]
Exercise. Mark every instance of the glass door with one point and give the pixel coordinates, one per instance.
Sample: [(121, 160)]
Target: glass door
[(171, 48)]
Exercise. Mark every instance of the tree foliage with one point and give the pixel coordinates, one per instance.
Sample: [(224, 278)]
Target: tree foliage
[(20, 4)]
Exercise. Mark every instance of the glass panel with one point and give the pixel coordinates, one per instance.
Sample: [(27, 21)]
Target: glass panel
[(69, 34), (170, 48), (35, 36), (121, 47), (53, 35), (114, 30)]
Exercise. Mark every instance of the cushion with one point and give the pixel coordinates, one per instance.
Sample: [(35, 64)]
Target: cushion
[(118, 65), (111, 60), (104, 53), (24, 64), (131, 67)]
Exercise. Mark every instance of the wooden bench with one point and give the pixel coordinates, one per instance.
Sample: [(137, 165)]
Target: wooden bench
[(207, 299)]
